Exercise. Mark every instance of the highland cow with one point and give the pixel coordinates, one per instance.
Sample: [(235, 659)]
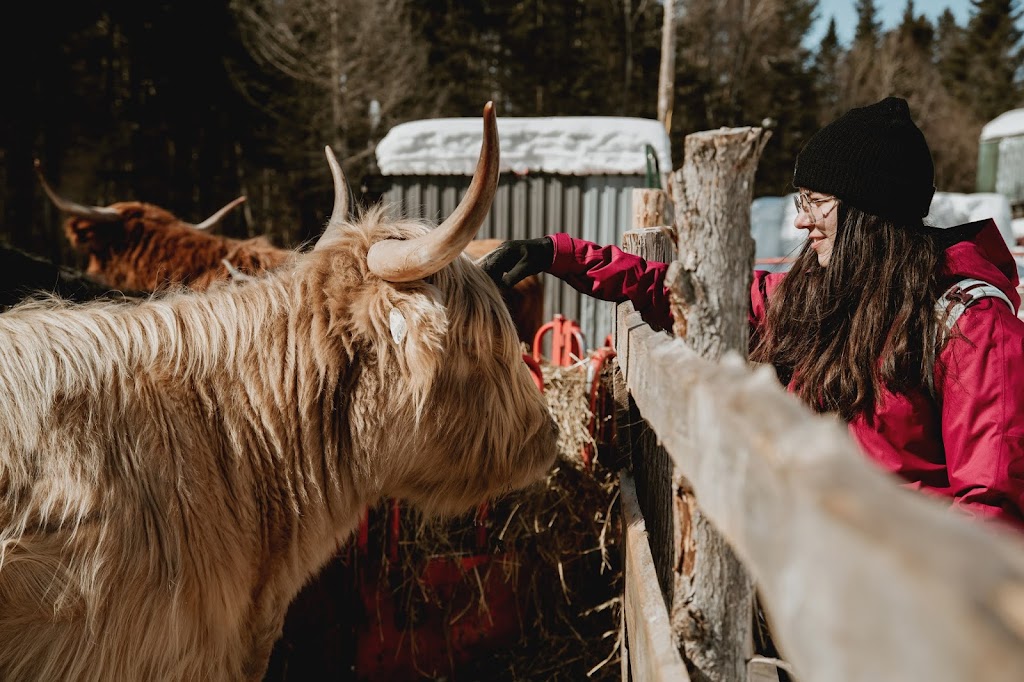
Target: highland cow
[(140, 246), (172, 471)]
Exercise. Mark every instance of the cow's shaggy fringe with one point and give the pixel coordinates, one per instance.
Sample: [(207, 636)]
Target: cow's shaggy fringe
[(172, 471)]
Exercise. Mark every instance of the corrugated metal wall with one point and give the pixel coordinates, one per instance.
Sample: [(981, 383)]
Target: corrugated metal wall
[(597, 208), (1010, 169)]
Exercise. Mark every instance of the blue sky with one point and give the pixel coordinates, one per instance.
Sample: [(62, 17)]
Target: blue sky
[(889, 12)]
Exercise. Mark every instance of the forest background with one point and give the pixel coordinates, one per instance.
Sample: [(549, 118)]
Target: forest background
[(188, 104)]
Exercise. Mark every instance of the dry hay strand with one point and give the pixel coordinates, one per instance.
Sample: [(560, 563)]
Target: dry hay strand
[(555, 543)]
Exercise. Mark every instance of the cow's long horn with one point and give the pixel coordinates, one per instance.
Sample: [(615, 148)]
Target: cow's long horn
[(340, 212), (404, 261), (219, 215), (101, 214)]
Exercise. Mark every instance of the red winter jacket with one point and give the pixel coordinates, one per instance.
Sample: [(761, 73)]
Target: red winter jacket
[(967, 444)]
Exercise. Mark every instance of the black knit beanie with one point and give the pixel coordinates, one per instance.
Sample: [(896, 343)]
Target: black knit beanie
[(873, 158)]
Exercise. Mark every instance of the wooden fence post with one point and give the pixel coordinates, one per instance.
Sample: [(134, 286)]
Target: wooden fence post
[(653, 470), (710, 294), (648, 521), (710, 281)]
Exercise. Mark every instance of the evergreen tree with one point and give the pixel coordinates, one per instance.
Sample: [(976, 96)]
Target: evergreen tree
[(950, 54), (857, 79), (868, 26), (994, 57), (826, 74), (460, 58), (906, 66), (738, 67), (916, 32), (607, 55), (695, 64), (116, 107), (787, 97)]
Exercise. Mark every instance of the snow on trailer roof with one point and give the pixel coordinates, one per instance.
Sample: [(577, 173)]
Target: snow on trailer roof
[(567, 145), (1007, 124)]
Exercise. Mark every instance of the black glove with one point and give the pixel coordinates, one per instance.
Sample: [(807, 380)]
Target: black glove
[(517, 259)]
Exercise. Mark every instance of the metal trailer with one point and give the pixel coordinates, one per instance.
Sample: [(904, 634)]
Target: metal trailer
[(1001, 158)]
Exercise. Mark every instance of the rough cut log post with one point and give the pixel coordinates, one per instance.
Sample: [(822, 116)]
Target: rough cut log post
[(710, 294), (651, 237), (651, 209), (711, 279)]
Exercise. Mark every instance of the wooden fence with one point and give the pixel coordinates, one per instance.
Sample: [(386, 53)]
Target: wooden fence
[(741, 501)]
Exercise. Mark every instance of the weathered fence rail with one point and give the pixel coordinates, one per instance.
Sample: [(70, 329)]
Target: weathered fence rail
[(860, 578), (652, 650)]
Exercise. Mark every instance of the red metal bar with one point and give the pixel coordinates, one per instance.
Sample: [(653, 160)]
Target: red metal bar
[(567, 342), (535, 371)]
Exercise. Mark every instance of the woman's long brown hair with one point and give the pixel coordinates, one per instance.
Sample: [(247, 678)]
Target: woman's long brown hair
[(864, 322)]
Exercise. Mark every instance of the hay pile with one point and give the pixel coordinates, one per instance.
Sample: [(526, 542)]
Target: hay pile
[(560, 541)]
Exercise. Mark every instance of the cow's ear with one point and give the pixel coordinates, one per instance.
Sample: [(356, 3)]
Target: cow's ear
[(417, 326), (418, 323)]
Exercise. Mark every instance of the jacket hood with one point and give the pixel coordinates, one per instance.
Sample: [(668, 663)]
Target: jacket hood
[(978, 250)]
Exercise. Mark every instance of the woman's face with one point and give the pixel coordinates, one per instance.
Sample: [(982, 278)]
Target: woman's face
[(816, 213)]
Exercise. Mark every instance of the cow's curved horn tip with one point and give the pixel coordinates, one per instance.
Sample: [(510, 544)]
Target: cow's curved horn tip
[(489, 108)]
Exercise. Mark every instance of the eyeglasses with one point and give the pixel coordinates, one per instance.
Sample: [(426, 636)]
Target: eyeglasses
[(804, 204)]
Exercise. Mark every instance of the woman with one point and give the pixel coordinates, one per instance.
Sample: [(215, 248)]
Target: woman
[(872, 322)]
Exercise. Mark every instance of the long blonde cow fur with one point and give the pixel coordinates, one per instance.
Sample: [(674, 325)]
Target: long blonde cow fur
[(173, 471)]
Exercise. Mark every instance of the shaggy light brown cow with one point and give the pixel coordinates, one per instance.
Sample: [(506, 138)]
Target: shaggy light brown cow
[(131, 245), (173, 471)]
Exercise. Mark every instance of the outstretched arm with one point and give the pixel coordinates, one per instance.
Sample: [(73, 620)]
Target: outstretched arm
[(604, 272)]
